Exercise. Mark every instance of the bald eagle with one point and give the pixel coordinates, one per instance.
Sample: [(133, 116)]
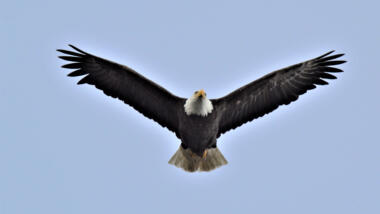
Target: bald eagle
[(198, 121)]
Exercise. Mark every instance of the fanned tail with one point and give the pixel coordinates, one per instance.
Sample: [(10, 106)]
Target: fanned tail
[(185, 159)]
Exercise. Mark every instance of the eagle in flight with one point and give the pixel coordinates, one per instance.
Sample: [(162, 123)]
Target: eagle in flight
[(198, 121)]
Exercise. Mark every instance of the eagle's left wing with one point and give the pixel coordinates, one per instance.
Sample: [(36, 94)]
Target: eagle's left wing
[(119, 81), (274, 89)]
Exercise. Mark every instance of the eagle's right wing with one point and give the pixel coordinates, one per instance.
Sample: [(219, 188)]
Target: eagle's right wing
[(121, 82), (274, 89)]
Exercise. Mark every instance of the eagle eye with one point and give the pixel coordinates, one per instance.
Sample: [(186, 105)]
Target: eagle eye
[(195, 92)]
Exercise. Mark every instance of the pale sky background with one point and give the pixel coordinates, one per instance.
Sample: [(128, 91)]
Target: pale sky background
[(68, 149)]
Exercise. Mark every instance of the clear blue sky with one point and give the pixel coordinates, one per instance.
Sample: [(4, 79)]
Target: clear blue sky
[(70, 149)]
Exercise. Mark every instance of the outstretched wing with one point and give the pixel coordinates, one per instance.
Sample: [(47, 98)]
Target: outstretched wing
[(274, 89), (121, 82)]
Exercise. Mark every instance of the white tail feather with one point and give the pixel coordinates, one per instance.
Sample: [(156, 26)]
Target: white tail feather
[(185, 159)]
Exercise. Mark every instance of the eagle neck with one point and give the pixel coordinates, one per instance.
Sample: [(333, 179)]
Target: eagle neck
[(198, 106)]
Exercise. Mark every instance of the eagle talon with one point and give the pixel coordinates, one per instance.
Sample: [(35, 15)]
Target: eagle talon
[(193, 155), (204, 154)]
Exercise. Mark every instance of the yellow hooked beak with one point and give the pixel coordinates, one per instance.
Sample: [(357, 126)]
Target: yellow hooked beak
[(201, 93)]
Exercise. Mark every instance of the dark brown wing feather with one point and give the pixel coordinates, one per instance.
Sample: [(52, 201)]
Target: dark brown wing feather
[(274, 89), (121, 82)]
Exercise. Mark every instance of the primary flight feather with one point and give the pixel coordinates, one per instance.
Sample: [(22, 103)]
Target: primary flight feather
[(199, 121)]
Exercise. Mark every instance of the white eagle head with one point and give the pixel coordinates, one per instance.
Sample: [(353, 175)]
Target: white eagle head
[(198, 104)]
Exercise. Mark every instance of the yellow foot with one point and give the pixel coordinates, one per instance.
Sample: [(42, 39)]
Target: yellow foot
[(204, 154), (193, 155)]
